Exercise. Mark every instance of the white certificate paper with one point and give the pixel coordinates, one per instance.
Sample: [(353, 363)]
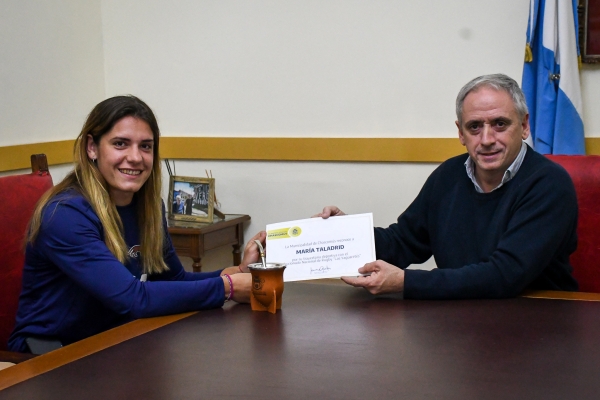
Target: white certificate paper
[(317, 248)]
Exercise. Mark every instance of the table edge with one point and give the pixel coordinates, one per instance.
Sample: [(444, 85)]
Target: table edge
[(560, 295), (57, 358)]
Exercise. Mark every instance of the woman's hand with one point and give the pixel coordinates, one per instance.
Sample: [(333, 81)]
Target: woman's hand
[(251, 255), (242, 285), (251, 252)]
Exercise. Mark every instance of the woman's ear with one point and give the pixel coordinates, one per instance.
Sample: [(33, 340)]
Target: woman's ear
[(92, 149)]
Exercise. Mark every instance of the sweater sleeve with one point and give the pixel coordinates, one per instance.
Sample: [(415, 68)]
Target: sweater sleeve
[(539, 231), (71, 238)]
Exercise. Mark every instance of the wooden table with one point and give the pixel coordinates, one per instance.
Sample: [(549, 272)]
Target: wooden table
[(333, 342), (193, 239)]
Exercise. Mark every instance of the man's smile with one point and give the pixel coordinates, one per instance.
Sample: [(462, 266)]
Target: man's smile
[(488, 154)]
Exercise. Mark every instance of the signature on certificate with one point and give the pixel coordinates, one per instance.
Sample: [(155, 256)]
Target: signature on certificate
[(319, 270)]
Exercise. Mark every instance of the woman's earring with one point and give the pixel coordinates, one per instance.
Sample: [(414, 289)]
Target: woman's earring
[(94, 160)]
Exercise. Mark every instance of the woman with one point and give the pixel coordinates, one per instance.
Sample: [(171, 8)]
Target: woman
[(98, 251)]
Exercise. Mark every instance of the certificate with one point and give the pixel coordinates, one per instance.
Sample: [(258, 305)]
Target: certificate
[(318, 248)]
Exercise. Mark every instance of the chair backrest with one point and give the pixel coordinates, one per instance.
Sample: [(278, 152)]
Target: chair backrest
[(18, 197), (585, 173)]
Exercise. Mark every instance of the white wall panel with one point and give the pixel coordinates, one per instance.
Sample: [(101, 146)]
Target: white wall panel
[(51, 68)]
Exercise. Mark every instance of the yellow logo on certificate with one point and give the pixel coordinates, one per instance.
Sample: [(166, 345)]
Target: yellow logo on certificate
[(281, 233), (295, 231), (284, 233)]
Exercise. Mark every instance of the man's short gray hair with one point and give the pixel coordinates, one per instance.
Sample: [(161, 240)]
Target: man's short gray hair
[(494, 81)]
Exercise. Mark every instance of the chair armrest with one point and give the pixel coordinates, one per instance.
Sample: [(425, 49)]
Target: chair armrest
[(13, 357)]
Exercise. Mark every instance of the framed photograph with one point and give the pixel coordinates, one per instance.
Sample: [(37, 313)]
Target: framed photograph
[(191, 199), (589, 30)]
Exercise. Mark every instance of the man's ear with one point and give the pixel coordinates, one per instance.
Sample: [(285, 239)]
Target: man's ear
[(461, 137), (92, 148), (525, 126)]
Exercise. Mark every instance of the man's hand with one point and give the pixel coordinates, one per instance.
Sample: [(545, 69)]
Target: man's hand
[(329, 211), (384, 278)]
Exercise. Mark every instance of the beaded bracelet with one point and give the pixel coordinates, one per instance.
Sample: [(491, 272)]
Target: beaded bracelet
[(230, 296)]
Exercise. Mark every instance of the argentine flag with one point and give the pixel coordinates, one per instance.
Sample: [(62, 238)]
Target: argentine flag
[(551, 78)]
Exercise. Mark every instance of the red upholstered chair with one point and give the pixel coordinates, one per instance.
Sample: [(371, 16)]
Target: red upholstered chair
[(585, 172), (18, 197)]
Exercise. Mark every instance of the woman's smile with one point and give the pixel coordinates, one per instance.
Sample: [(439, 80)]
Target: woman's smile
[(124, 157)]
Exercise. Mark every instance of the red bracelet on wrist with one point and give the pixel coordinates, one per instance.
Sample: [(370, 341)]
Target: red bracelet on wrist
[(230, 296)]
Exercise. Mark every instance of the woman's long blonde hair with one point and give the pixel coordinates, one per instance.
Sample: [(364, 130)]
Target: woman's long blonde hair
[(87, 180)]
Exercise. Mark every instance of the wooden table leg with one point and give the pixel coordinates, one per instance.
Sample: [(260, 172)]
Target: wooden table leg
[(237, 254), (190, 241), (197, 265)]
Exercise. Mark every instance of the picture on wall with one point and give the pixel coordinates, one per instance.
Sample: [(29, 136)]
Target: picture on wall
[(589, 32), (191, 199)]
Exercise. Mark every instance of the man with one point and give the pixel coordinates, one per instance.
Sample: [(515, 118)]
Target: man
[(178, 205), (505, 224), (188, 206)]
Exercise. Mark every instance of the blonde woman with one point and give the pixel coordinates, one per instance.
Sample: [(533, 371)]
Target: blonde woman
[(98, 252)]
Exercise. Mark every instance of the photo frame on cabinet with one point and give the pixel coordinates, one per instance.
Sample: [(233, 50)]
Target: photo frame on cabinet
[(191, 199)]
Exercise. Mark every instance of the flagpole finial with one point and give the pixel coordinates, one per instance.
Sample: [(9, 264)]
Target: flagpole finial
[(528, 53)]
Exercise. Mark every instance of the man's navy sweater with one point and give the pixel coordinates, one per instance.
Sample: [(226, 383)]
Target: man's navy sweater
[(486, 245)]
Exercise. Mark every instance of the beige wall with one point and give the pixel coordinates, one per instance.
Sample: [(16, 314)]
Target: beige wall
[(51, 68), (294, 68), (308, 68), (590, 89)]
